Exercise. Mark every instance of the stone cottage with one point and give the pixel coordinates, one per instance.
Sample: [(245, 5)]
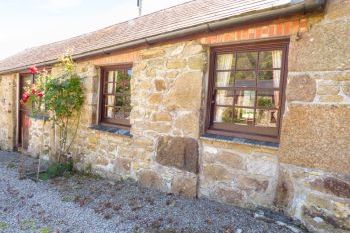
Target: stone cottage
[(244, 102)]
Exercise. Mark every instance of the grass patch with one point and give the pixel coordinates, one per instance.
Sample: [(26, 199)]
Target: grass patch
[(3, 226), (57, 170), (45, 230), (11, 165), (28, 224)]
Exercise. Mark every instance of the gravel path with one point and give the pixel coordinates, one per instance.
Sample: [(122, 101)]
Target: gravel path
[(88, 204)]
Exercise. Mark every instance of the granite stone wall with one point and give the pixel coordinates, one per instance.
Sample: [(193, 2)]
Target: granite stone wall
[(8, 112)]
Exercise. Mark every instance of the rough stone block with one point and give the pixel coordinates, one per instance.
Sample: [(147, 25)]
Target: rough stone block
[(228, 195), (161, 116), (186, 92), (184, 186), (332, 185), (151, 179), (152, 53), (321, 212), (231, 160), (213, 172), (248, 183), (285, 190), (301, 88), (159, 84), (178, 152), (331, 98), (319, 49), (176, 63), (317, 136), (262, 164), (122, 165)]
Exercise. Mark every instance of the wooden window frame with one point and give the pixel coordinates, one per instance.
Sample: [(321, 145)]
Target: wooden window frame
[(118, 123), (247, 132)]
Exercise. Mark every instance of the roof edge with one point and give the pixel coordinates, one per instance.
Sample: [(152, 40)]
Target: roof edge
[(266, 14)]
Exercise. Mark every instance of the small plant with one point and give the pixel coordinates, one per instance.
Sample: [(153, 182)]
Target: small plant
[(60, 97), (265, 102)]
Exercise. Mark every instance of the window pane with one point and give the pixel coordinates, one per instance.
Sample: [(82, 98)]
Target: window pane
[(121, 101), (129, 71), (224, 97), (245, 98), (270, 59), (108, 88), (127, 113), (225, 61), (109, 112), (223, 114), (110, 77), (109, 100), (268, 99), (269, 79), (266, 118), (243, 116), (119, 113), (245, 79), (246, 60), (224, 79)]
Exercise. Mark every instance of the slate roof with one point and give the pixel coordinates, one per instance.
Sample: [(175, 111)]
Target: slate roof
[(175, 18)]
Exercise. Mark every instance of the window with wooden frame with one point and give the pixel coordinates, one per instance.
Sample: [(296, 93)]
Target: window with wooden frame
[(115, 95), (246, 90)]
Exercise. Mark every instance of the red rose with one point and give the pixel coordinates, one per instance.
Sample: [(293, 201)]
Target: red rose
[(40, 94), (25, 97), (33, 91), (33, 70)]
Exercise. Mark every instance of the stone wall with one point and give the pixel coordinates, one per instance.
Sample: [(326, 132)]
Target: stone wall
[(244, 175), (314, 183), (39, 138), (167, 94), (8, 111)]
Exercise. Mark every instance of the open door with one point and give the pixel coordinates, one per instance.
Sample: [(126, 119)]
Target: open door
[(24, 111)]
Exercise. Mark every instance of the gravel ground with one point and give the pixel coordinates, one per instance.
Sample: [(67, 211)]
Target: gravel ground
[(89, 204)]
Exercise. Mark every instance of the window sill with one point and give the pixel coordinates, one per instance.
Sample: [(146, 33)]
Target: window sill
[(222, 138), (113, 130)]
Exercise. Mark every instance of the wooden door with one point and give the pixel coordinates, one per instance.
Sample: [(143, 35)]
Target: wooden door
[(24, 112)]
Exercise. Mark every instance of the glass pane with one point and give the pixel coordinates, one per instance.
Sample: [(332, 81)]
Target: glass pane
[(122, 83), (109, 100), (266, 118), (120, 101), (245, 79), (224, 79), (129, 71), (246, 60), (270, 59), (119, 113), (224, 97), (269, 79), (109, 112), (110, 77), (225, 61), (127, 101), (268, 99), (245, 98), (223, 114), (127, 113), (243, 116), (108, 88)]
